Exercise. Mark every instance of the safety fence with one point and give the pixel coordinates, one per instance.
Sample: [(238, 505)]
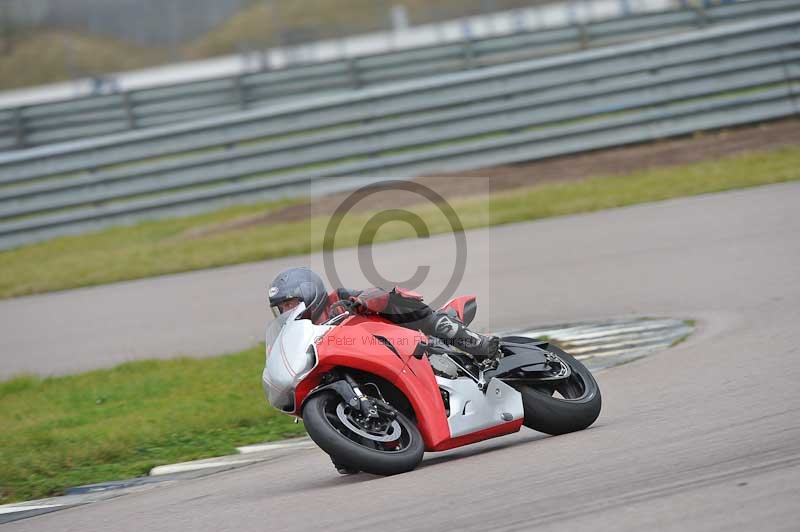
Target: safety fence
[(723, 76), (92, 116)]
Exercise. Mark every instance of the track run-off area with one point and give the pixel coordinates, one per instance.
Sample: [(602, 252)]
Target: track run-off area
[(701, 436)]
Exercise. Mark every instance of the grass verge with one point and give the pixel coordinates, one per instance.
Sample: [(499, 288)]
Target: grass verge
[(119, 423), (48, 55), (152, 248)]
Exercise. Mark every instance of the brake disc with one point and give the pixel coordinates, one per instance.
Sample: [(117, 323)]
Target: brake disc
[(389, 436)]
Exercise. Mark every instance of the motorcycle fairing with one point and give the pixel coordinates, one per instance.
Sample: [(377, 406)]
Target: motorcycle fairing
[(485, 434), (465, 308), (525, 358), (472, 410), (290, 357), (302, 353), (353, 345)]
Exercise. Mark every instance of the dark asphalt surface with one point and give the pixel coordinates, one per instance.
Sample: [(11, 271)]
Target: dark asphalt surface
[(704, 436)]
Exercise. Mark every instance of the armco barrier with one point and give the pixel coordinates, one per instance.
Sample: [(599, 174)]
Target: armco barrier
[(723, 76), (94, 116)]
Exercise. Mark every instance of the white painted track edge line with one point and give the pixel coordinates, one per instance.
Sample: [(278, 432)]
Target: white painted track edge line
[(9, 509), (190, 466)]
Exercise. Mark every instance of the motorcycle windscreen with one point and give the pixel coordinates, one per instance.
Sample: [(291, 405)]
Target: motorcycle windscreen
[(291, 355), (276, 326)]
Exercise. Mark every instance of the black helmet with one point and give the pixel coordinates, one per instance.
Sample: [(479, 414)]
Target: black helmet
[(302, 284)]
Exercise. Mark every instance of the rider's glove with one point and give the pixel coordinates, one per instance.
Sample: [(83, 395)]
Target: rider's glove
[(353, 305), (370, 301), (358, 305), (343, 305)]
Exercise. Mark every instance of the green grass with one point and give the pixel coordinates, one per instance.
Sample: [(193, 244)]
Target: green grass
[(156, 247), (47, 56), (31, 57), (679, 341), (118, 253), (119, 423)]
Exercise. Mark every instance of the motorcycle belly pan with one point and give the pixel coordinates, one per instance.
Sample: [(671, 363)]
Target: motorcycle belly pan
[(471, 410)]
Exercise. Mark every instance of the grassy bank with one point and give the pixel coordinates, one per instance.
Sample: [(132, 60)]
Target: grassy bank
[(119, 423), (31, 57), (156, 248), (48, 56)]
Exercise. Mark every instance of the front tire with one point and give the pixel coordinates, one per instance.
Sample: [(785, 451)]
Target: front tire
[(577, 407), (354, 450)]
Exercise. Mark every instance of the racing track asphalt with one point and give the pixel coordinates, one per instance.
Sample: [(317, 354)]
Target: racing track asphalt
[(704, 436)]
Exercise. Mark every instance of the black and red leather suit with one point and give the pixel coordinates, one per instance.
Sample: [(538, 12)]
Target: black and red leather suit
[(406, 308)]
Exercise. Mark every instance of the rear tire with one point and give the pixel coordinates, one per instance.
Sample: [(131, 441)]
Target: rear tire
[(318, 416), (578, 407)]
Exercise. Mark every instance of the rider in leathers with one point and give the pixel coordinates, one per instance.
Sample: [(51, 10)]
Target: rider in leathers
[(400, 306)]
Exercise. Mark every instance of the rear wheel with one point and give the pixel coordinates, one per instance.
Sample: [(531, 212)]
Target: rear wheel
[(387, 445), (565, 406)]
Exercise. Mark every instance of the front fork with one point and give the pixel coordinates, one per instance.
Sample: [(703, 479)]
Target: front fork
[(347, 388)]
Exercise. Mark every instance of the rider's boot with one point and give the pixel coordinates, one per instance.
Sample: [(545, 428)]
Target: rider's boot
[(483, 348), (343, 469)]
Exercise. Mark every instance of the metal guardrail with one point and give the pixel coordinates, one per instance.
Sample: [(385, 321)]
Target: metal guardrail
[(42, 124), (719, 77)]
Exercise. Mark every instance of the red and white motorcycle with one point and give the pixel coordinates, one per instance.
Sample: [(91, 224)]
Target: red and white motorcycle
[(375, 396)]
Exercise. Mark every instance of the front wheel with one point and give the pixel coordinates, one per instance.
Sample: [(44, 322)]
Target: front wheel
[(568, 406), (384, 446)]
